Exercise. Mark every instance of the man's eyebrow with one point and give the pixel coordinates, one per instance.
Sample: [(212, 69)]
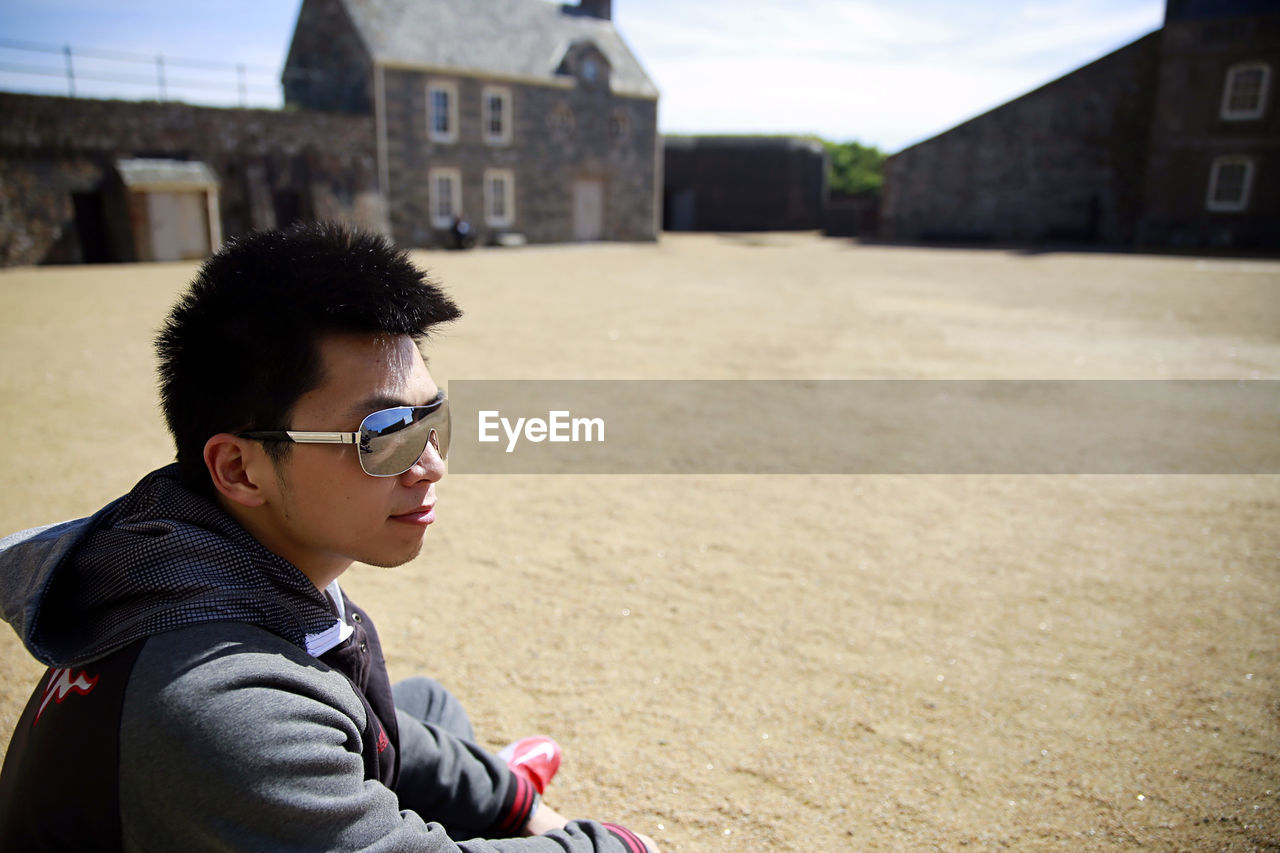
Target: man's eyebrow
[(383, 401), (376, 402)]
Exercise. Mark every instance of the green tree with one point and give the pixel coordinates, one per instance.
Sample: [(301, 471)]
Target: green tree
[(854, 168)]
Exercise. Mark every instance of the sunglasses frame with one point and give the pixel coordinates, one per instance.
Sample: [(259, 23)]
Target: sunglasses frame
[(441, 402)]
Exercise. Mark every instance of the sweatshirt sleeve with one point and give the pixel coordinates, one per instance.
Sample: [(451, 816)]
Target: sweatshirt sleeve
[(454, 781), (250, 744)]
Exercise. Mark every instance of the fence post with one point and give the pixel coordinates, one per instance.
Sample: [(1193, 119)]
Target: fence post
[(71, 73), (213, 77)]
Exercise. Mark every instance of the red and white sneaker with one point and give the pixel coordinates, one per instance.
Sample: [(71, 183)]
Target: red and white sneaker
[(535, 758)]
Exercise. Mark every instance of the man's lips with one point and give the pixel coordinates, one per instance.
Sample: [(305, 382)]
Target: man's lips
[(422, 515)]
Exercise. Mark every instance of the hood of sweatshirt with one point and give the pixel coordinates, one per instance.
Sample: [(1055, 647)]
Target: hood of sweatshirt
[(159, 558)]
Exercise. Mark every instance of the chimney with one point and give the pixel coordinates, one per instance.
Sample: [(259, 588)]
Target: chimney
[(602, 9)]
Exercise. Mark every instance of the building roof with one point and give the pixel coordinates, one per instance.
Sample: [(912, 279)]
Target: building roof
[(171, 175), (743, 141), (516, 39), (1178, 10)]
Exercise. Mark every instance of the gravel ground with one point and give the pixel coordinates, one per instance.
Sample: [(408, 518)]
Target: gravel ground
[(792, 663)]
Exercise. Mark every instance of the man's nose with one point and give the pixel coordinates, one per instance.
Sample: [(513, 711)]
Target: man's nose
[(430, 465)]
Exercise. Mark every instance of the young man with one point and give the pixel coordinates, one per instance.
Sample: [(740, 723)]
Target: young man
[(210, 685)]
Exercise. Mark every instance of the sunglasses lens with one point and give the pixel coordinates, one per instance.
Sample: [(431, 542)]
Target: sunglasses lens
[(392, 440), (441, 430)]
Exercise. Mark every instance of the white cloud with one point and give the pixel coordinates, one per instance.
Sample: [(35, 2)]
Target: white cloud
[(883, 71), (888, 73), (884, 103)]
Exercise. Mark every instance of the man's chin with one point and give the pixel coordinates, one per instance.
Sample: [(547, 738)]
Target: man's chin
[(390, 561)]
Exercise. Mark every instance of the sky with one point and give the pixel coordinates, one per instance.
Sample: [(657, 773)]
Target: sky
[(882, 72)]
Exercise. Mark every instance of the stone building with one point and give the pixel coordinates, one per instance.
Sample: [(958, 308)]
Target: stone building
[(1213, 162), (534, 120), (743, 183), (95, 180), (1171, 141)]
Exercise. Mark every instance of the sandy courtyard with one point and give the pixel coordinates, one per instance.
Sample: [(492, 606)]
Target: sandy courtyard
[(791, 663)]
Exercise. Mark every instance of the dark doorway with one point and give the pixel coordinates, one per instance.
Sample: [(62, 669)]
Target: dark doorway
[(91, 227), (288, 205), (678, 210)]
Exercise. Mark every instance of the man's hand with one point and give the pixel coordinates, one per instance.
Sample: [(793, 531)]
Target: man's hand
[(546, 819)]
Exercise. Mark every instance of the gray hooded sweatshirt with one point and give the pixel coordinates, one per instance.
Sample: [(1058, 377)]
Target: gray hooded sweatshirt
[(202, 694)]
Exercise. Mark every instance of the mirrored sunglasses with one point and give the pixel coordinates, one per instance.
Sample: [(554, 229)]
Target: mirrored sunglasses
[(389, 441)]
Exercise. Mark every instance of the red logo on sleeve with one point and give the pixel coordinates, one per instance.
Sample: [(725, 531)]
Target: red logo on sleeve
[(62, 683)]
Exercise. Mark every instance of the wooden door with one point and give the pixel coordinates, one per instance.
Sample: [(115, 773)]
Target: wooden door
[(588, 210)]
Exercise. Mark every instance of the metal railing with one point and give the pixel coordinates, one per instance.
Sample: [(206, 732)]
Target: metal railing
[(44, 68)]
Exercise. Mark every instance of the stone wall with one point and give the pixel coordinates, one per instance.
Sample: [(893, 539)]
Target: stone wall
[(1188, 132), (559, 135), (1176, 10), (852, 215), (718, 183), (57, 154), (1062, 163)]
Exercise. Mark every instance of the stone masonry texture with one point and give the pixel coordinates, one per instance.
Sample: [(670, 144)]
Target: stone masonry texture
[(317, 165), (560, 135), (1188, 133), (1063, 162)]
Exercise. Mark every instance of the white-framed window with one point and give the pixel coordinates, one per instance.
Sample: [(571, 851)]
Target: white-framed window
[(495, 114), (442, 111), (1230, 182), (445, 185), (1244, 96), (499, 198)]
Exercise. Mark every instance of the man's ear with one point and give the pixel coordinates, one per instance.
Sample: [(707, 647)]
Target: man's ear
[(235, 465)]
